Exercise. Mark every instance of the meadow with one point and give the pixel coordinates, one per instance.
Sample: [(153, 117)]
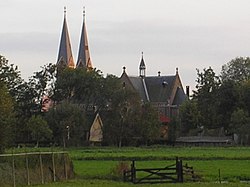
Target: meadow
[(94, 166)]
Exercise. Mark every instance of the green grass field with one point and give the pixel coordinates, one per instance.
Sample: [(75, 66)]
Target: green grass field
[(94, 166)]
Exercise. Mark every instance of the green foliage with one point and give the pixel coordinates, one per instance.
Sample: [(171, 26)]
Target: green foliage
[(10, 75), (236, 70), (39, 129), (190, 116), (205, 95), (240, 124), (68, 123), (128, 122), (7, 117)]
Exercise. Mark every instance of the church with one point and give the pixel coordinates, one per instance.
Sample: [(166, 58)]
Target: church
[(164, 92)]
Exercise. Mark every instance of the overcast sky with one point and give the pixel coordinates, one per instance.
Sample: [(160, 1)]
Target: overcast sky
[(187, 34)]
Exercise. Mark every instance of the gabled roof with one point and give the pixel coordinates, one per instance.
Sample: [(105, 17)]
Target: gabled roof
[(139, 87), (96, 132), (65, 57), (180, 97), (83, 53), (159, 87)]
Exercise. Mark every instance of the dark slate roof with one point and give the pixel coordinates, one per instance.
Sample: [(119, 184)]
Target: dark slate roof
[(65, 56), (138, 86), (159, 87), (180, 97)]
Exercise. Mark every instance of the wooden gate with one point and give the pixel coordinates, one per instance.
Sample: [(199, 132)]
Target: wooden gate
[(170, 174)]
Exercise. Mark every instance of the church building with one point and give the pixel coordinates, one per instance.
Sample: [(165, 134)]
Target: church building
[(165, 93)]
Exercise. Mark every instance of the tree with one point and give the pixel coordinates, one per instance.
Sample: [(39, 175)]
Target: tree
[(190, 116), (69, 124), (228, 99), (236, 70), (7, 117), (128, 121), (39, 129), (10, 75), (240, 124), (80, 86), (206, 96)]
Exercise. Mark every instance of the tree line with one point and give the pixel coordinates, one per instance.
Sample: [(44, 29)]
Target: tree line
[(77, 95), (220, 102)]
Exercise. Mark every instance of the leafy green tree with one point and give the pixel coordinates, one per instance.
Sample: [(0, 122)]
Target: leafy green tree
[(128, 121), (206, 96), (39, 129), (228, 97), (68, 123), (236, 70), (80, 86), (7, 117), (11, 76), (149, 124), (190, 116), (240, 124)]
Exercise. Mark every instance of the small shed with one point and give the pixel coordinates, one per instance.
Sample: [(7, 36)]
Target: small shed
[(96, 130)]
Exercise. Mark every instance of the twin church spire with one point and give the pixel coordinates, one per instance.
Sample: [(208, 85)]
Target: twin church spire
[(65, 56)]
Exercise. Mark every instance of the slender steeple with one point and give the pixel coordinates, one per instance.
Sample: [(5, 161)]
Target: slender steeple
[(142, 67), (65, 57), (84, 54)]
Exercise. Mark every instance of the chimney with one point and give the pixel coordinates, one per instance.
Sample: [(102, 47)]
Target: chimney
[(187, 91)]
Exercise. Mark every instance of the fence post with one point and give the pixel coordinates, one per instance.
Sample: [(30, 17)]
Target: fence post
[(41, 167), (13, 169), (53, 165), (177, 168), (65, 167), (133, 172), (27, 168), (181, 171), (219, 177)]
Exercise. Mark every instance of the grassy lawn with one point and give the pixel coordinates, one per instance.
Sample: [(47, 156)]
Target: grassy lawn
[(161, 153), (231, 170), (109, 183), (150, 153), (94, 166)]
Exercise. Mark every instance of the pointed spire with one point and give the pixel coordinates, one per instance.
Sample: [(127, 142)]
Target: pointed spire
[(65, 57), (142, 67), (65, 12), (83, 53), (176, 71)]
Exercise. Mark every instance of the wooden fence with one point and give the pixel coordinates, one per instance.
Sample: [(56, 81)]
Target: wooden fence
[(34, 168), (175, 173)]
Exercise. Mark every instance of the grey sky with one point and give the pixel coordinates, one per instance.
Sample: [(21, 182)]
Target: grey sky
[(187, 34)]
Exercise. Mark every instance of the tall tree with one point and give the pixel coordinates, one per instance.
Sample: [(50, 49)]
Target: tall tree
[(7, 117), (207, 89), (236, 70), (39, 129)]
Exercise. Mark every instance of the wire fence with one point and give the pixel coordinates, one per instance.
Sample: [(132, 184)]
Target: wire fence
[(34, 168)]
